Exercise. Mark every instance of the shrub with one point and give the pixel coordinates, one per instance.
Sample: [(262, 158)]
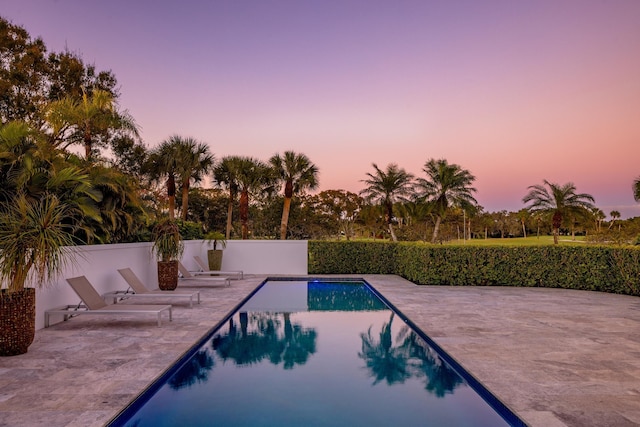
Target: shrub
[(596, 268), (326, 257)]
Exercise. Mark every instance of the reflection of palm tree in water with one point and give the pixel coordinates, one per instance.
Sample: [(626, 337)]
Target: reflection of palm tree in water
[(384, 361), (195, 370), (411, 358), (299, 343), (441, 379), (246, 347)]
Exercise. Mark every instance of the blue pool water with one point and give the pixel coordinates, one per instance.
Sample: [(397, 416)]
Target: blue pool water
[(307, 353)]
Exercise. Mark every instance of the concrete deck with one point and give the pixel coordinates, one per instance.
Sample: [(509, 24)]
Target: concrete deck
[(556, 357)]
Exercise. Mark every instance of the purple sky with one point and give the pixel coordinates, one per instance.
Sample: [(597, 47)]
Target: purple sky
[(515, 92)]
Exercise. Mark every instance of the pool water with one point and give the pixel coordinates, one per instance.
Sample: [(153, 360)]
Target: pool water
[(306, 353)]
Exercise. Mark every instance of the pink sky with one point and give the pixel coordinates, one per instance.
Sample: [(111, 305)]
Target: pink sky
[(515, 92)]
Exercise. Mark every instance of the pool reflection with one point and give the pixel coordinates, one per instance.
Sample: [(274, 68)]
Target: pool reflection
[(265, 336), (315, 354), (410, 357)]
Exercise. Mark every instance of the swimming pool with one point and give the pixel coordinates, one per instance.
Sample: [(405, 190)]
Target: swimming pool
[(305, 352)]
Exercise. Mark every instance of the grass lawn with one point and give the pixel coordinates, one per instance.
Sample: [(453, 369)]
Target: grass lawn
[(521, 241)]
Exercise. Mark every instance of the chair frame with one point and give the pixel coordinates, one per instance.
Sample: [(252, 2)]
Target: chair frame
[(93, 303), (204, 270), (136, 290)]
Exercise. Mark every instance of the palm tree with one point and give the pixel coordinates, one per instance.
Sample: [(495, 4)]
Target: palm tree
[(614, 215), (253, 176), (598, 216), (225, 174), (43, 200), (447, 185), (636, 189), (298, 174), (523, 216), (559, 201), (121, 208), (386, 188), (88, 121), (33, 168), (180, 160), (193, 162), (162, 163)]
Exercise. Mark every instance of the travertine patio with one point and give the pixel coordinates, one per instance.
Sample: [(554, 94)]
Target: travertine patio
[(556, 357)]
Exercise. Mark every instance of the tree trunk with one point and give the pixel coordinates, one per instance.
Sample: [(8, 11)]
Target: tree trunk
[(244, 213), (185, 200), (436, 229), (388, 218), (87, 145), (229, 217), (171, 193), (393, 234), (556, 221), (285, 218)]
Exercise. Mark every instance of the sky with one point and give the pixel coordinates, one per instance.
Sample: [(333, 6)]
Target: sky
[(515, 92)]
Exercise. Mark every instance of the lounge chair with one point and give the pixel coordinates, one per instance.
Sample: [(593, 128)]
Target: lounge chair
[(95, 304), (204, 270), (139, 290), (185, 275)]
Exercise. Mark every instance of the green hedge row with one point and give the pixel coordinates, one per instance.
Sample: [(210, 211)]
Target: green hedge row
[(596, 268)]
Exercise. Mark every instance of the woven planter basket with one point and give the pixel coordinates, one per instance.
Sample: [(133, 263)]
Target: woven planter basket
[(167, 275), (17, 321)]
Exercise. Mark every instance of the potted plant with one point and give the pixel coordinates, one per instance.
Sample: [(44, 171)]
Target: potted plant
[(214, 256), (168, 247), (35, 237)]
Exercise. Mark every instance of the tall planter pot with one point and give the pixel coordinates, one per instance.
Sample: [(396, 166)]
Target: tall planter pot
[(168, 275), (17, 321), (214, 256)]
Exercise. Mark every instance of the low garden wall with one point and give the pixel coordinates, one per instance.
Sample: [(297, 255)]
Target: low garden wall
[(595, 268), (99, 263)]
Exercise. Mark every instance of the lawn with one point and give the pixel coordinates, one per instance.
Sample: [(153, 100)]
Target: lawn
[(521, 241)]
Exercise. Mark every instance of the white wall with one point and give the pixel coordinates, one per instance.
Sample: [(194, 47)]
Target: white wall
[(287, 257), (99, 263)]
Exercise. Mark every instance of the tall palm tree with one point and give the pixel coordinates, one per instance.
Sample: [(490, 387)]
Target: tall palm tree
[(614, 215), (447, 185), (253, 176), (180, 160), (386, 188), (598, 216), (193, 162), (298, 174), (162, 164), (87, 121), (225, 174), (557, 200), (523, 216)]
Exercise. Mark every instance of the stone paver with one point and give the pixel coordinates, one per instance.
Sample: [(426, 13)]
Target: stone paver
[(556, 357)]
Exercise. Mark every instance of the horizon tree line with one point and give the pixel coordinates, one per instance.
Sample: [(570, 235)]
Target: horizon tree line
[(51, 103)]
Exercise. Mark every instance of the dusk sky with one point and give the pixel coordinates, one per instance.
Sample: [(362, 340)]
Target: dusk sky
[(514, 91)]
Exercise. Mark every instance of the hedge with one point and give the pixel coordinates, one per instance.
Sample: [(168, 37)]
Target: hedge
[(595, 268)]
